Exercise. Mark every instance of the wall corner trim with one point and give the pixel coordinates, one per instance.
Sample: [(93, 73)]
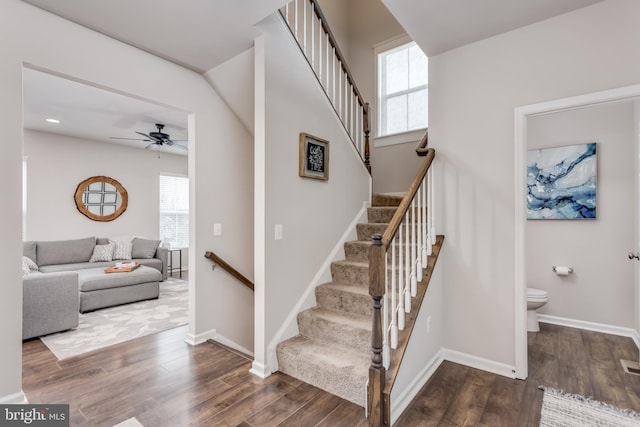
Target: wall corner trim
[(14, 399), (260, 370)]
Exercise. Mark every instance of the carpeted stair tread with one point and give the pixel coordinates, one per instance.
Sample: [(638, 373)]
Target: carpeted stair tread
[(366, 231), (343, 328), (357, 250), (346, 297), (380, 214), (339, 370), (354, 272), (385, 200)]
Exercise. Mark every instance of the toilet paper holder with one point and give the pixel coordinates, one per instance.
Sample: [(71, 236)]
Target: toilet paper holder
[(555, 269)]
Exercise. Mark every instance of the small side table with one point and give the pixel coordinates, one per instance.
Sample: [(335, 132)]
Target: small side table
[(170, 267)]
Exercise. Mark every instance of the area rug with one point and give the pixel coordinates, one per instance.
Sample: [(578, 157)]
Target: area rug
[(108, 326), (561, 409), (131, 422)]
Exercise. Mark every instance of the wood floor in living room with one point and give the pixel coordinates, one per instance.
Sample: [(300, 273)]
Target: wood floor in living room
[(162, 381)]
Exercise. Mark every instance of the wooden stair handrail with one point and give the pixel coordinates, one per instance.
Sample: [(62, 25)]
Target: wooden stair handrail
[(225, 265), (334, 43), (422, 149), (395, 222)]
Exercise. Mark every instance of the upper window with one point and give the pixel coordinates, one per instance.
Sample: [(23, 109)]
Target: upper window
[(402, 89), (174, 210)]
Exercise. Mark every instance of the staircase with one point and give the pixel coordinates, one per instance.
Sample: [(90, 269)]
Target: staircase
[(333, 349)]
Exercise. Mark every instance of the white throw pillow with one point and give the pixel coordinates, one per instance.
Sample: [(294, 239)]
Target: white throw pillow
[(102, 253), (121, 249), (28, 265)]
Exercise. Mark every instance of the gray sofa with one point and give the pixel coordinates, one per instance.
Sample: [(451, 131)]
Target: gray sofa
[(67, 283)]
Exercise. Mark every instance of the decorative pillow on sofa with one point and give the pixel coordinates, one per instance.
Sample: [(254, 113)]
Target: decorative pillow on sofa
[(144, 248), (102, 253), (28, 265), (122, 247)]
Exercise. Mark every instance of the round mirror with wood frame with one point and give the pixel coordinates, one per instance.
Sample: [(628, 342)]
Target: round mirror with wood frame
[(101, 198)]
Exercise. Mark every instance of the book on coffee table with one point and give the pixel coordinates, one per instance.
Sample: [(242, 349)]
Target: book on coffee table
[(122, 267)]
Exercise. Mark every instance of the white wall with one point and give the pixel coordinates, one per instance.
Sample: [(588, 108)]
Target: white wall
[(473, 93), (601, 290), (314, 213), (423, 353), (220, 152), (56, 164)]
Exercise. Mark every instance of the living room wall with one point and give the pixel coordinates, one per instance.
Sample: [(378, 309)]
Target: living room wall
[(57, 163), (219, 154)]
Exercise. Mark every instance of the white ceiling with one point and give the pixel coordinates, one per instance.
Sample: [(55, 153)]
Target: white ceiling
[(96, 114), (441, 25), (202, 34), (198, 34)]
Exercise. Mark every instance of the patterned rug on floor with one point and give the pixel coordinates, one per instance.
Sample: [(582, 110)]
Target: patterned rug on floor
[(113, 325), (561, 409)]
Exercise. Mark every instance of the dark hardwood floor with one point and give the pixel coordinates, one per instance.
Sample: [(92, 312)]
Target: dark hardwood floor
[(574, 360), (163, 381)]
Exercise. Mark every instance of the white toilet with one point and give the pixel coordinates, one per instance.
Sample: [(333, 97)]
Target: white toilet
[(536, 298)]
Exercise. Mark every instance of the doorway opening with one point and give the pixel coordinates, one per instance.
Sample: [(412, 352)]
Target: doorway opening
[(525, 117)]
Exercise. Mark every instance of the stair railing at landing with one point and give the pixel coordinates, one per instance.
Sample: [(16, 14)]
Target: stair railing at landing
[(225, 265), (309, 27), (398, 260)]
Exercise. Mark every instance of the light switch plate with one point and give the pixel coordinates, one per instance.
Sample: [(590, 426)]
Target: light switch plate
[(279, 232), (217, 229)]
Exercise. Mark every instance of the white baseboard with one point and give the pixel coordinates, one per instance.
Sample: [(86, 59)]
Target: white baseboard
[(259, 370), (212, 334), (401, 402), (591, 326), (479, 363), (197, 339), (14, 399), (307, 300)]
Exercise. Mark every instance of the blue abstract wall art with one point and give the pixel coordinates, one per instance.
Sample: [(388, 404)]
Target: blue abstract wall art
[(561, 182)]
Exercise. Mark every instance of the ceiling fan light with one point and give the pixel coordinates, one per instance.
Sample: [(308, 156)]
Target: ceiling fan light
[(56, 121)]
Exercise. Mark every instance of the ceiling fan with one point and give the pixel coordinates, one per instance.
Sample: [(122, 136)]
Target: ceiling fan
[(158, 138)]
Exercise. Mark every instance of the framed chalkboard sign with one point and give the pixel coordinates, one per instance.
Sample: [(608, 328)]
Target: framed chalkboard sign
[(314, 157)]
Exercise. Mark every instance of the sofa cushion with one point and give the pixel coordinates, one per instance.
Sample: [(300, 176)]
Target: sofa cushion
[(65, 251), (95, 278), (29, 250), (144, 248), (102, 253)]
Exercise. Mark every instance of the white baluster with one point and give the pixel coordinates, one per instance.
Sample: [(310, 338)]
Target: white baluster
[(385, 319), (433, 202), (420, 239), (407, 262), (426, 242), (400, 281), (414, 250), (394, 326)]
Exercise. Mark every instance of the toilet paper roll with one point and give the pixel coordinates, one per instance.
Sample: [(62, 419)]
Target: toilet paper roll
[(562, 271)]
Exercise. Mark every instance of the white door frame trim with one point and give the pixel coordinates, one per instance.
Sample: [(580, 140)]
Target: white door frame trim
[(520, 151)]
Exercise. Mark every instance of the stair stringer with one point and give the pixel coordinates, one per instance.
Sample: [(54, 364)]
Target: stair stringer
[(289, 328)]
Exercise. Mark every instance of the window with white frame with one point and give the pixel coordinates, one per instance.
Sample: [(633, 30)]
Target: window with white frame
[(402, 70), (174, 210)]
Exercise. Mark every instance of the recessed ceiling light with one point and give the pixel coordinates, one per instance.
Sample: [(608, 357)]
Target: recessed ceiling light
[(53, 121)]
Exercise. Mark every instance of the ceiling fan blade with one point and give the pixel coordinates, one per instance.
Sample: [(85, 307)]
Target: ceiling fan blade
[(152, 145), (129, 139)]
